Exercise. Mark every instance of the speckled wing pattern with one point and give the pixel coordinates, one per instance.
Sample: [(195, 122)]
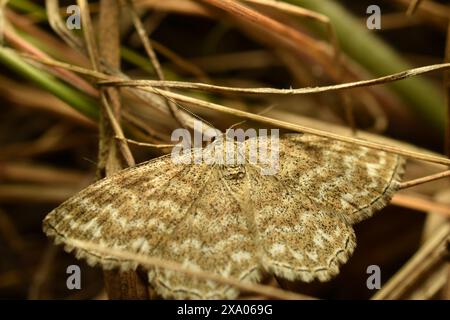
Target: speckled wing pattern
[(232, 220), (304, 214)]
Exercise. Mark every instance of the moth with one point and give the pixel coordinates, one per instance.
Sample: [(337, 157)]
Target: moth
[(232, 219)]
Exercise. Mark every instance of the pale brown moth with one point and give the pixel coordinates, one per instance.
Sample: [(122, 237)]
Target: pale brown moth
[(232, 220)]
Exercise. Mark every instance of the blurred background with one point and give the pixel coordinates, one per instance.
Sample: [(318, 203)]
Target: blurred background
[(49, 136)]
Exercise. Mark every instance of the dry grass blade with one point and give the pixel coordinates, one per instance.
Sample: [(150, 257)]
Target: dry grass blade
[(118, 132), (10, 234), (51, 62), (298, 128), (344, 86), (89, 33), (290, 37), (143, 144), (447, 92), (176, 6), (147, 261), (118, 285), (414, 4), (180, 62), (64, 74), (147, 97), (32, 193), (94, 57), (45, 268), (415, 182), (60, 27), (148, 85), (430, 253), (305, 13), (447, 128), (2, 19), (419, 203), (431, 12), (153, 58)]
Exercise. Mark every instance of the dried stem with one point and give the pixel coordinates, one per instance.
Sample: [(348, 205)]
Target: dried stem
[(60, 27), (65, 74), (147, 261), (278, 123), (144, 144), (118, 132), (214, 88), (420, 203), (118, 285), (298, 128), (296, 39), (11, 235), (415, 182), (40, 281), (89, 33), (305, 13), (447, 132), (282, 124), (413, 5), (141, 84), (447, 92)]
